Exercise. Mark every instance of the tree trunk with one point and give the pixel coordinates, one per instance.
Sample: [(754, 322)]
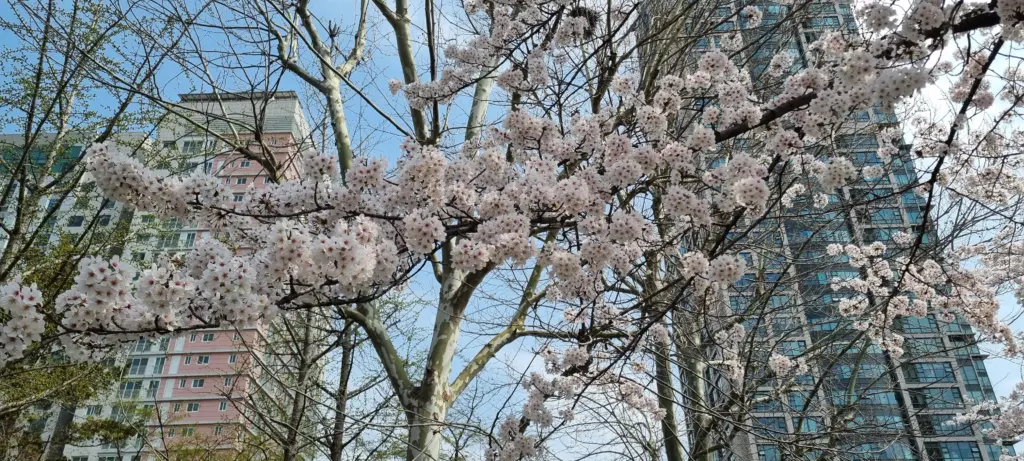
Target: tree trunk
[(481, 101), (666, 400), (295, 418), (403, 42), (425, 426), (339, 124), (691, 370), (341, 402), (430, 402)]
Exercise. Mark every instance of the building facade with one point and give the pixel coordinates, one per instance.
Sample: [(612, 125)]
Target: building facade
[(858, 402), (193, 390), (57, 215)]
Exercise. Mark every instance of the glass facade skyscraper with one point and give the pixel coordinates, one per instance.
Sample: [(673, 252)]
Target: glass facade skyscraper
[(858, 402)]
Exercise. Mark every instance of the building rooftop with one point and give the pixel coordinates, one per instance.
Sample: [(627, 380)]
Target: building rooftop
[(239, 96)]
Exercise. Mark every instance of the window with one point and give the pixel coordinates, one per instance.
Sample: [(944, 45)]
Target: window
[(198, 382), (825, 22), (879, 451), (952, 451), (194, 146), (959, 325), (154, 386), (924, 346), (138, 366), (104, 220), (138, 256), (852, 141), (238, 198), (188, 360), (229, 381), (939, 372), (797, 400), (52, 203), (763, 402), (170, 145), (943, 425), (811, 424), (76, 221), (920, 325), (792, 348), (172, 432), (770, 427), (203, 360), (181, 384), (232, 358), (886, 216), (158, 365), (768, 453), (193, 407), (207, 337), (190, 240), (188, 431), (223, 406), (93, 410), (864, 397), (936, 398), (235, 336), (246, 163), (240, 181), (192, 338), (218, 430), (167, 240), (177, 407), (266, 180), (130, 389), (995, 452)]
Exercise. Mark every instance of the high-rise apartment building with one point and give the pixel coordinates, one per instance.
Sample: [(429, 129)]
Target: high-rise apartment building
[(58, 213), (197, 385), (872, 405), (71, 204)]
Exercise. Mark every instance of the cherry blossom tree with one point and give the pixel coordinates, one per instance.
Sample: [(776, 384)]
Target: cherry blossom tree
[(617, 172)]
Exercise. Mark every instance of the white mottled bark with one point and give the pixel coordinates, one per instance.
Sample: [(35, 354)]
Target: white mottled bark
[(339, 124), (431, 402), (481, 101)]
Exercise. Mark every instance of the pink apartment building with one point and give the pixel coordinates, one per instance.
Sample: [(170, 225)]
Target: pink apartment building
[(198, 383)]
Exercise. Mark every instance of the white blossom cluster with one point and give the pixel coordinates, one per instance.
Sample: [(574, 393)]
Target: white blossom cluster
[(730, 341), (24, 326), (902, 289), (1006, 418), (784, 366)]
